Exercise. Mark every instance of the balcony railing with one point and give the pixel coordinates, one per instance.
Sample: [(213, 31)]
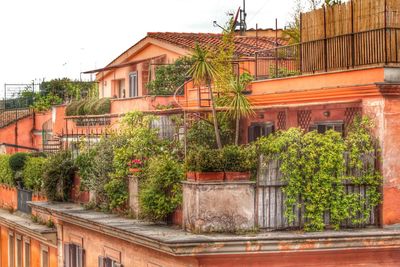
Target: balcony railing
[(378, 47)]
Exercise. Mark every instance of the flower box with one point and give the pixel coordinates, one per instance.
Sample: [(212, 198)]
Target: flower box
[(210, 176), (237, 176), (191, 176)]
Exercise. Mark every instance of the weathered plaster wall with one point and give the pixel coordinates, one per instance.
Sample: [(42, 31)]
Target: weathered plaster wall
[(336, 258), (385, 113), (97, 244), (217, 207)]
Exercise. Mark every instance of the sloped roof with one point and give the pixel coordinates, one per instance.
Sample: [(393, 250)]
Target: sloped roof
[(244, 45)]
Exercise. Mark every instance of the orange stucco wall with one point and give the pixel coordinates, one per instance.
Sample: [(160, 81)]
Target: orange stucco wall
[(349, 258), (22, 134), (8, 197), (318, 81)]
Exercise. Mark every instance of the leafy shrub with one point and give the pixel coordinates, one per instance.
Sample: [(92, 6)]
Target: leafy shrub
[(6, 173), (117, 192), (95, 167), (58, 176), (235, 159), (205, 160), (89, 106), (33, 173), (17, 161), (161, 191)]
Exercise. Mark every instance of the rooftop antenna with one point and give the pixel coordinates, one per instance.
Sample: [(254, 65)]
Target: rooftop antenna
[(243, 15)]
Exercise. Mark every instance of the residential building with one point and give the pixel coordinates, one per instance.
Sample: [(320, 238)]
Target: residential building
[(335, 74)]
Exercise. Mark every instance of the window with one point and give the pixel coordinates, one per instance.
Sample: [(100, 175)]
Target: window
[(257, 130), (121, 88), (73, 255), (133, 85), (44, 256), (27, 253), (322, 127), (108, 262), (19, 251)]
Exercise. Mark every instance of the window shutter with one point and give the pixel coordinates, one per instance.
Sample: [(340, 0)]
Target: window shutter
[(67, 255), (269, 129), (321, 128), (79, 256), (101, 261), (251, 133)]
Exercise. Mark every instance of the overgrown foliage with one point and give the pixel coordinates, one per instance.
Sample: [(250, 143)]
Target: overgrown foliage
[(161, 191), (33, 173), (67, 89), (42, 102), (313, 166), (168, 78), (89, 106), (58, 176), (6, 173), (95, 167), (201, 133)]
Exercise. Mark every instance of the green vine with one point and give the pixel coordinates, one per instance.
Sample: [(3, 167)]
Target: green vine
[(314, 168)]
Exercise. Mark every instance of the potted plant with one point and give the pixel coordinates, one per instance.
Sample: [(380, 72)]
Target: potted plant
[(207, 165), (236, 163), (191, 165), (135, 166)]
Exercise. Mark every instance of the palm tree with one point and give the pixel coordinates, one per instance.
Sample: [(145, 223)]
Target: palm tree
[(203, 71), (237, 103)]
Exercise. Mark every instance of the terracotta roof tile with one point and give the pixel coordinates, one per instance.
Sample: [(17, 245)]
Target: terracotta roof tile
[(244, 45)]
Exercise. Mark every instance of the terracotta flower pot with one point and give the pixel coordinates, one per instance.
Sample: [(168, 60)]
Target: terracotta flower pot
[(191, 176), (134, 170), (237, 176), (210, 176)]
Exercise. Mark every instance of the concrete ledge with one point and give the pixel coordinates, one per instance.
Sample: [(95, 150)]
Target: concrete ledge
[(180, 243)]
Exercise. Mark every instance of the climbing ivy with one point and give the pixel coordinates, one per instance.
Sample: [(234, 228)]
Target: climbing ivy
[(313, 167)]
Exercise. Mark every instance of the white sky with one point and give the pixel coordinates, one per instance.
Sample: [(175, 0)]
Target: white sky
[(60, 38)]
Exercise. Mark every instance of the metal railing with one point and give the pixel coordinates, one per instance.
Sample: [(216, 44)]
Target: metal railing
[(355, 50), (9, 116)]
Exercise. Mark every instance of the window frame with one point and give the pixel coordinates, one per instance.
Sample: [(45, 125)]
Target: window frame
[(11, 249), (331, 124), (19, 249), (74, 255), (27, 242), (133, 91), (44, 249), (266, 129)]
